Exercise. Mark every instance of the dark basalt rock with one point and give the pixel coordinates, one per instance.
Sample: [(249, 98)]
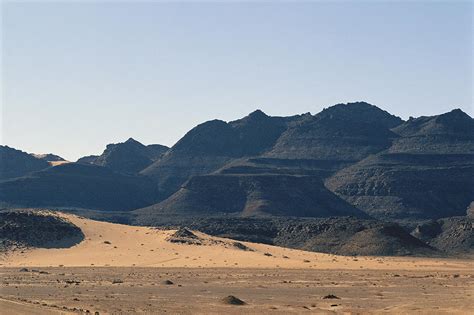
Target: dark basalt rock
[(37, 229)]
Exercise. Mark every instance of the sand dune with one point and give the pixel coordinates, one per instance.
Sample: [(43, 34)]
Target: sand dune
[(108, 244)]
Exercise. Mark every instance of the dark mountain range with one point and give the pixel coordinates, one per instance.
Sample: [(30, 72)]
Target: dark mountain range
[(79, 186), (348, 160), (49, 157), (128, 157), (212, 144), (428, 173), (16, 163)]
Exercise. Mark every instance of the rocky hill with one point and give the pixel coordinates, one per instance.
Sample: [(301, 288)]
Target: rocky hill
[(16, 163), (128, 157)]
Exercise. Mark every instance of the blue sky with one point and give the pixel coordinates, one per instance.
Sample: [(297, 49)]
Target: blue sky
[(76, 76)]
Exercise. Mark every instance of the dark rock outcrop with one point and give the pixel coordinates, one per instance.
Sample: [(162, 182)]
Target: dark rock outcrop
[(37, 229), (453, 235)]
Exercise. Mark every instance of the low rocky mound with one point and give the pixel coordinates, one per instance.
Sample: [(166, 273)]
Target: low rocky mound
[(452, 235), (38, 229), (184, 236)]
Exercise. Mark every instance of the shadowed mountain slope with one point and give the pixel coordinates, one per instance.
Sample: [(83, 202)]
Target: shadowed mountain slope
[(278, 195), (81, 186), (426, 174), (16, 163)]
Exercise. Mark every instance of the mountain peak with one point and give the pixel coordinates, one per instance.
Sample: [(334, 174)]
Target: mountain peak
[(257, 114), (131, 140)]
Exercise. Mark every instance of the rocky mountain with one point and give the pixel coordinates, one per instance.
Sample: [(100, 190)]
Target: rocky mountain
[(347, 132), (128, 157), (211, 145), (75, 185), (250, 195), (448, 133), (16, 163), (426, 174)]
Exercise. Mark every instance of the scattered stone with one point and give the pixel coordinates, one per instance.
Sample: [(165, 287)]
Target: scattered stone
[(24, 270), (241, 246), (167, 282), (232, 300), (331, 296)]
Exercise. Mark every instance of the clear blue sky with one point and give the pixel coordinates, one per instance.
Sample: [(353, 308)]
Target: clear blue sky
[(78, 76)]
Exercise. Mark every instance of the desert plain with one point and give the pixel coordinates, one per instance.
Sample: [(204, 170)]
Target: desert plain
[(122, 269)]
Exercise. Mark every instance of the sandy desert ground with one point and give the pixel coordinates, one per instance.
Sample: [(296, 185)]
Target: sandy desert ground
[(121, 269)]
